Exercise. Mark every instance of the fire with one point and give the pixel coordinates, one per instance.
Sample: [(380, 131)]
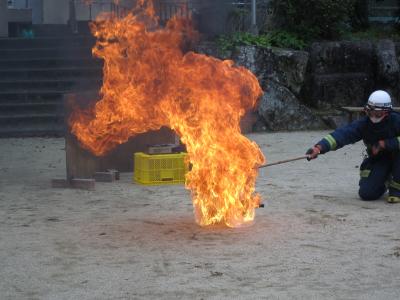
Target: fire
[(149, 82)]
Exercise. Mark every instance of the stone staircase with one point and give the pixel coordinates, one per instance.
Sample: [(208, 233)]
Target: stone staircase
[(34, 76)]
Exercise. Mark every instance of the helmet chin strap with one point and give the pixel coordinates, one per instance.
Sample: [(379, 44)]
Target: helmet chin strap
[(376, 120)]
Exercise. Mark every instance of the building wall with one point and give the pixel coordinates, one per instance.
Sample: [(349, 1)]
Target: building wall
[(86, 12), (55, 12), (383, 10), (3, 18), (37, 11), (18, 4)]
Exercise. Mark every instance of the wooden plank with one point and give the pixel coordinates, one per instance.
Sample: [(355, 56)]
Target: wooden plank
[(352, 109), (360, 108), (357, 110)]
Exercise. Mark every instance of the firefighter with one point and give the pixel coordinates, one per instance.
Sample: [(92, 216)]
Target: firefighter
[(380, 132)]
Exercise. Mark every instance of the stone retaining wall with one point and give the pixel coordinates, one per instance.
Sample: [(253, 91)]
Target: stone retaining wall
[(305, 89)]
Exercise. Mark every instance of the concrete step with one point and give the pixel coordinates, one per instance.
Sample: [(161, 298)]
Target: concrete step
[(31, 95), (49, 107), (47, 42), (52, 73), (34, 76), (48, 84), (38, 96), (57, 30), (35, 53), (37, 130), (51, 30), (25, 96), (32, 118), (16, 121), (49, 62)]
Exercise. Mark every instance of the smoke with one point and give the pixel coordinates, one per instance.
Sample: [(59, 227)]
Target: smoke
[(211, 16)]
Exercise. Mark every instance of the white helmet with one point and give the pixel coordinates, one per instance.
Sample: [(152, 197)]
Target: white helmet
[(379, 100)]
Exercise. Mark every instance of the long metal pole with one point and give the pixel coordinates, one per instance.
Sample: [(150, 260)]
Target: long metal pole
[(72, 17), (254, 29), (283, 161)]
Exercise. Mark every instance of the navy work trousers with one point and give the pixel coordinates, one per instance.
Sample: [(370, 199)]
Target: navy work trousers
[(376, 173)]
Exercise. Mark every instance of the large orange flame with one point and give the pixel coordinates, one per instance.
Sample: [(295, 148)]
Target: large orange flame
[(149, 83)]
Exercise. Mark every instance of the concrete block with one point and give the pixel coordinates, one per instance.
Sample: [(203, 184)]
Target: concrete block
[(247, 122), (116, 172), (59, 183), (83, 184), (104, 176)]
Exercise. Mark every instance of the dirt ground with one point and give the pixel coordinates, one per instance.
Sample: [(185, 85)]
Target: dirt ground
[(314, 239)]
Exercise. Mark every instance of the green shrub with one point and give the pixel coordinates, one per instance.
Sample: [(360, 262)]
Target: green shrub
[(284, 39), (313, 19), (230, 42), (281, 39), (276, 38)]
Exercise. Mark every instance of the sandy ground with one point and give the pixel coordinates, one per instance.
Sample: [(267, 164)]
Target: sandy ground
[(314, 239)]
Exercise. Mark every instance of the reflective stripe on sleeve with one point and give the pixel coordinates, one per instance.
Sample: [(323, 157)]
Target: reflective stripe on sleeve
[(398, 140), (365, 173), (332, 142), (395, 185)]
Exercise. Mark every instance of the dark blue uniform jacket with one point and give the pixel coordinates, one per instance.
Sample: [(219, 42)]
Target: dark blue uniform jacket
[(363, 129)]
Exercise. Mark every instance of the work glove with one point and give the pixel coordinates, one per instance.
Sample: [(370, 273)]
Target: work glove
[(313, 152), (378, 147)]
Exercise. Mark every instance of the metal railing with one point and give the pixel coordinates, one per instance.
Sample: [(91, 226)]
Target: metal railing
[(240, 16), (87, 10), (236, 17), (168, 9)]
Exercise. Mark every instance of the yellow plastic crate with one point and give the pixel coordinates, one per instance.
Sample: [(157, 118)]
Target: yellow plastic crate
[(156, 169)]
